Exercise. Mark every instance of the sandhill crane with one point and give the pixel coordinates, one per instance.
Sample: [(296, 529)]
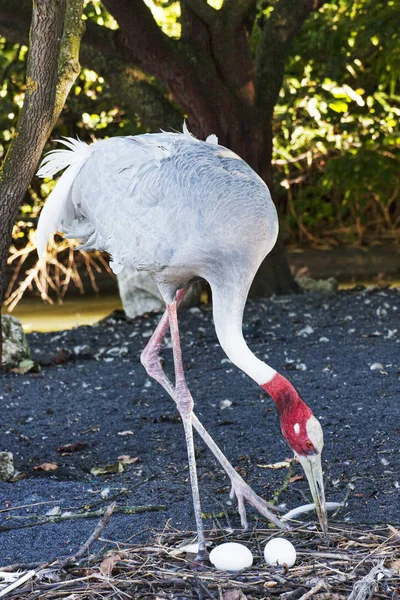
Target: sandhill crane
[(182, 209)]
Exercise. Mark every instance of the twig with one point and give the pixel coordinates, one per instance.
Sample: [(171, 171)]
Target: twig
[(317, 554), (343, 502), (293, 594), (145, 570), (375, 550), (205, 589), (128, 510), (101, 525), (22, 566), (321, 584), (17, 583), (329, 596), (285, 483), (27, 505)]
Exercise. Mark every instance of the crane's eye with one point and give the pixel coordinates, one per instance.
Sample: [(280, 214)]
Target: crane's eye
[(310, 445)]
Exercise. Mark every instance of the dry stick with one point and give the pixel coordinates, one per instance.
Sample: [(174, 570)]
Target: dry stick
[(128, 510), (321, 584), (48, 588), (374, 551), (101, 525), (17, 583), (317, 554), (27, 505), (329, 596), (22, 566), (293, 594), (204, 588)]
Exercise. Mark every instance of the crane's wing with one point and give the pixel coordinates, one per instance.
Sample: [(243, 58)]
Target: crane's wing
[(156, 200), (116, 205), (96, 200)]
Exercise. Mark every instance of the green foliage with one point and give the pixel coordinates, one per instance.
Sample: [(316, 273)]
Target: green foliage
[(95, 11), (337, 128)]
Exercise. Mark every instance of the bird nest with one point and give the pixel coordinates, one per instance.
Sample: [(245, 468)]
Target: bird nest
[(357, 562)]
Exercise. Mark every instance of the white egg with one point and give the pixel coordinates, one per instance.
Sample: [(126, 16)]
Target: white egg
[(280, 552), (231, 556)]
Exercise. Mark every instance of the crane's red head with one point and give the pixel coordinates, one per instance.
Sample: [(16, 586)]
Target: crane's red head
[(299, 427), (303, 433)]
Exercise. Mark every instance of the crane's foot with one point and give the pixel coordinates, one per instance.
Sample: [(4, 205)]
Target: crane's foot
[(199, 561), (243, 493)]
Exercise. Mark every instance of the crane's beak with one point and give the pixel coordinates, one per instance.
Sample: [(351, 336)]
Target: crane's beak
[(313, 470)]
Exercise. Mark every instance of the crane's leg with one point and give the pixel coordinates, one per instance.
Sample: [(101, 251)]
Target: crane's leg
[(184, 402), (240, 489), (150, 356)]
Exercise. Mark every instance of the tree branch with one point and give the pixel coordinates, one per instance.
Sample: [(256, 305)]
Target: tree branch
[(143, 98), (237, 10), (231, 54), (202, 9), (284, 23), (98, 52), (141, 42), (139, 37), (195, 33)]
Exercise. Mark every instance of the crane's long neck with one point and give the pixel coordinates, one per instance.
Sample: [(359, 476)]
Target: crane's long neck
[(228, 317)]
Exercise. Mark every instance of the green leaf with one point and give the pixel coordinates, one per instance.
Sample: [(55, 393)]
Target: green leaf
[(339, 106)]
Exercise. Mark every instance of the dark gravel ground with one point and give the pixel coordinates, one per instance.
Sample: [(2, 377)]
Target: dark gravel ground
[(326, 345)]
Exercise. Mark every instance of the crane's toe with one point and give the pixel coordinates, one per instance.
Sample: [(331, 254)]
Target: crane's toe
[(243, 493), (241, 507)]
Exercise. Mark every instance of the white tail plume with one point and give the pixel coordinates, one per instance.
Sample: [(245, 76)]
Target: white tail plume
[(53, 211)]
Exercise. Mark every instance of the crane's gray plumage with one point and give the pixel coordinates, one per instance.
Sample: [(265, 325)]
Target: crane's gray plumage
[(165, 202), (182, 208)]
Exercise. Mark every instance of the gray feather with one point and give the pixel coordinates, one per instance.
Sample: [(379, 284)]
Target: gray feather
[(170, 204)]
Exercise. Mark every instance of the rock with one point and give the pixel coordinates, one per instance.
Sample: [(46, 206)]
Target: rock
[(62, 356), (140, 294), (15, 345), (317, 285), (6, 465), (377, 367)]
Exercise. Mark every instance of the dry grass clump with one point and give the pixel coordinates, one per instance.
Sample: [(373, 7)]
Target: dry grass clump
[(52, 278)]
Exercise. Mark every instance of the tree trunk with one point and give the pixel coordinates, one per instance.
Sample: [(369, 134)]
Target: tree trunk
[(210, 74), (52, 68), (274, 275)]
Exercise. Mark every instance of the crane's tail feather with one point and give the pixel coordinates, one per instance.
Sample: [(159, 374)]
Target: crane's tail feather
[(56, 209)]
